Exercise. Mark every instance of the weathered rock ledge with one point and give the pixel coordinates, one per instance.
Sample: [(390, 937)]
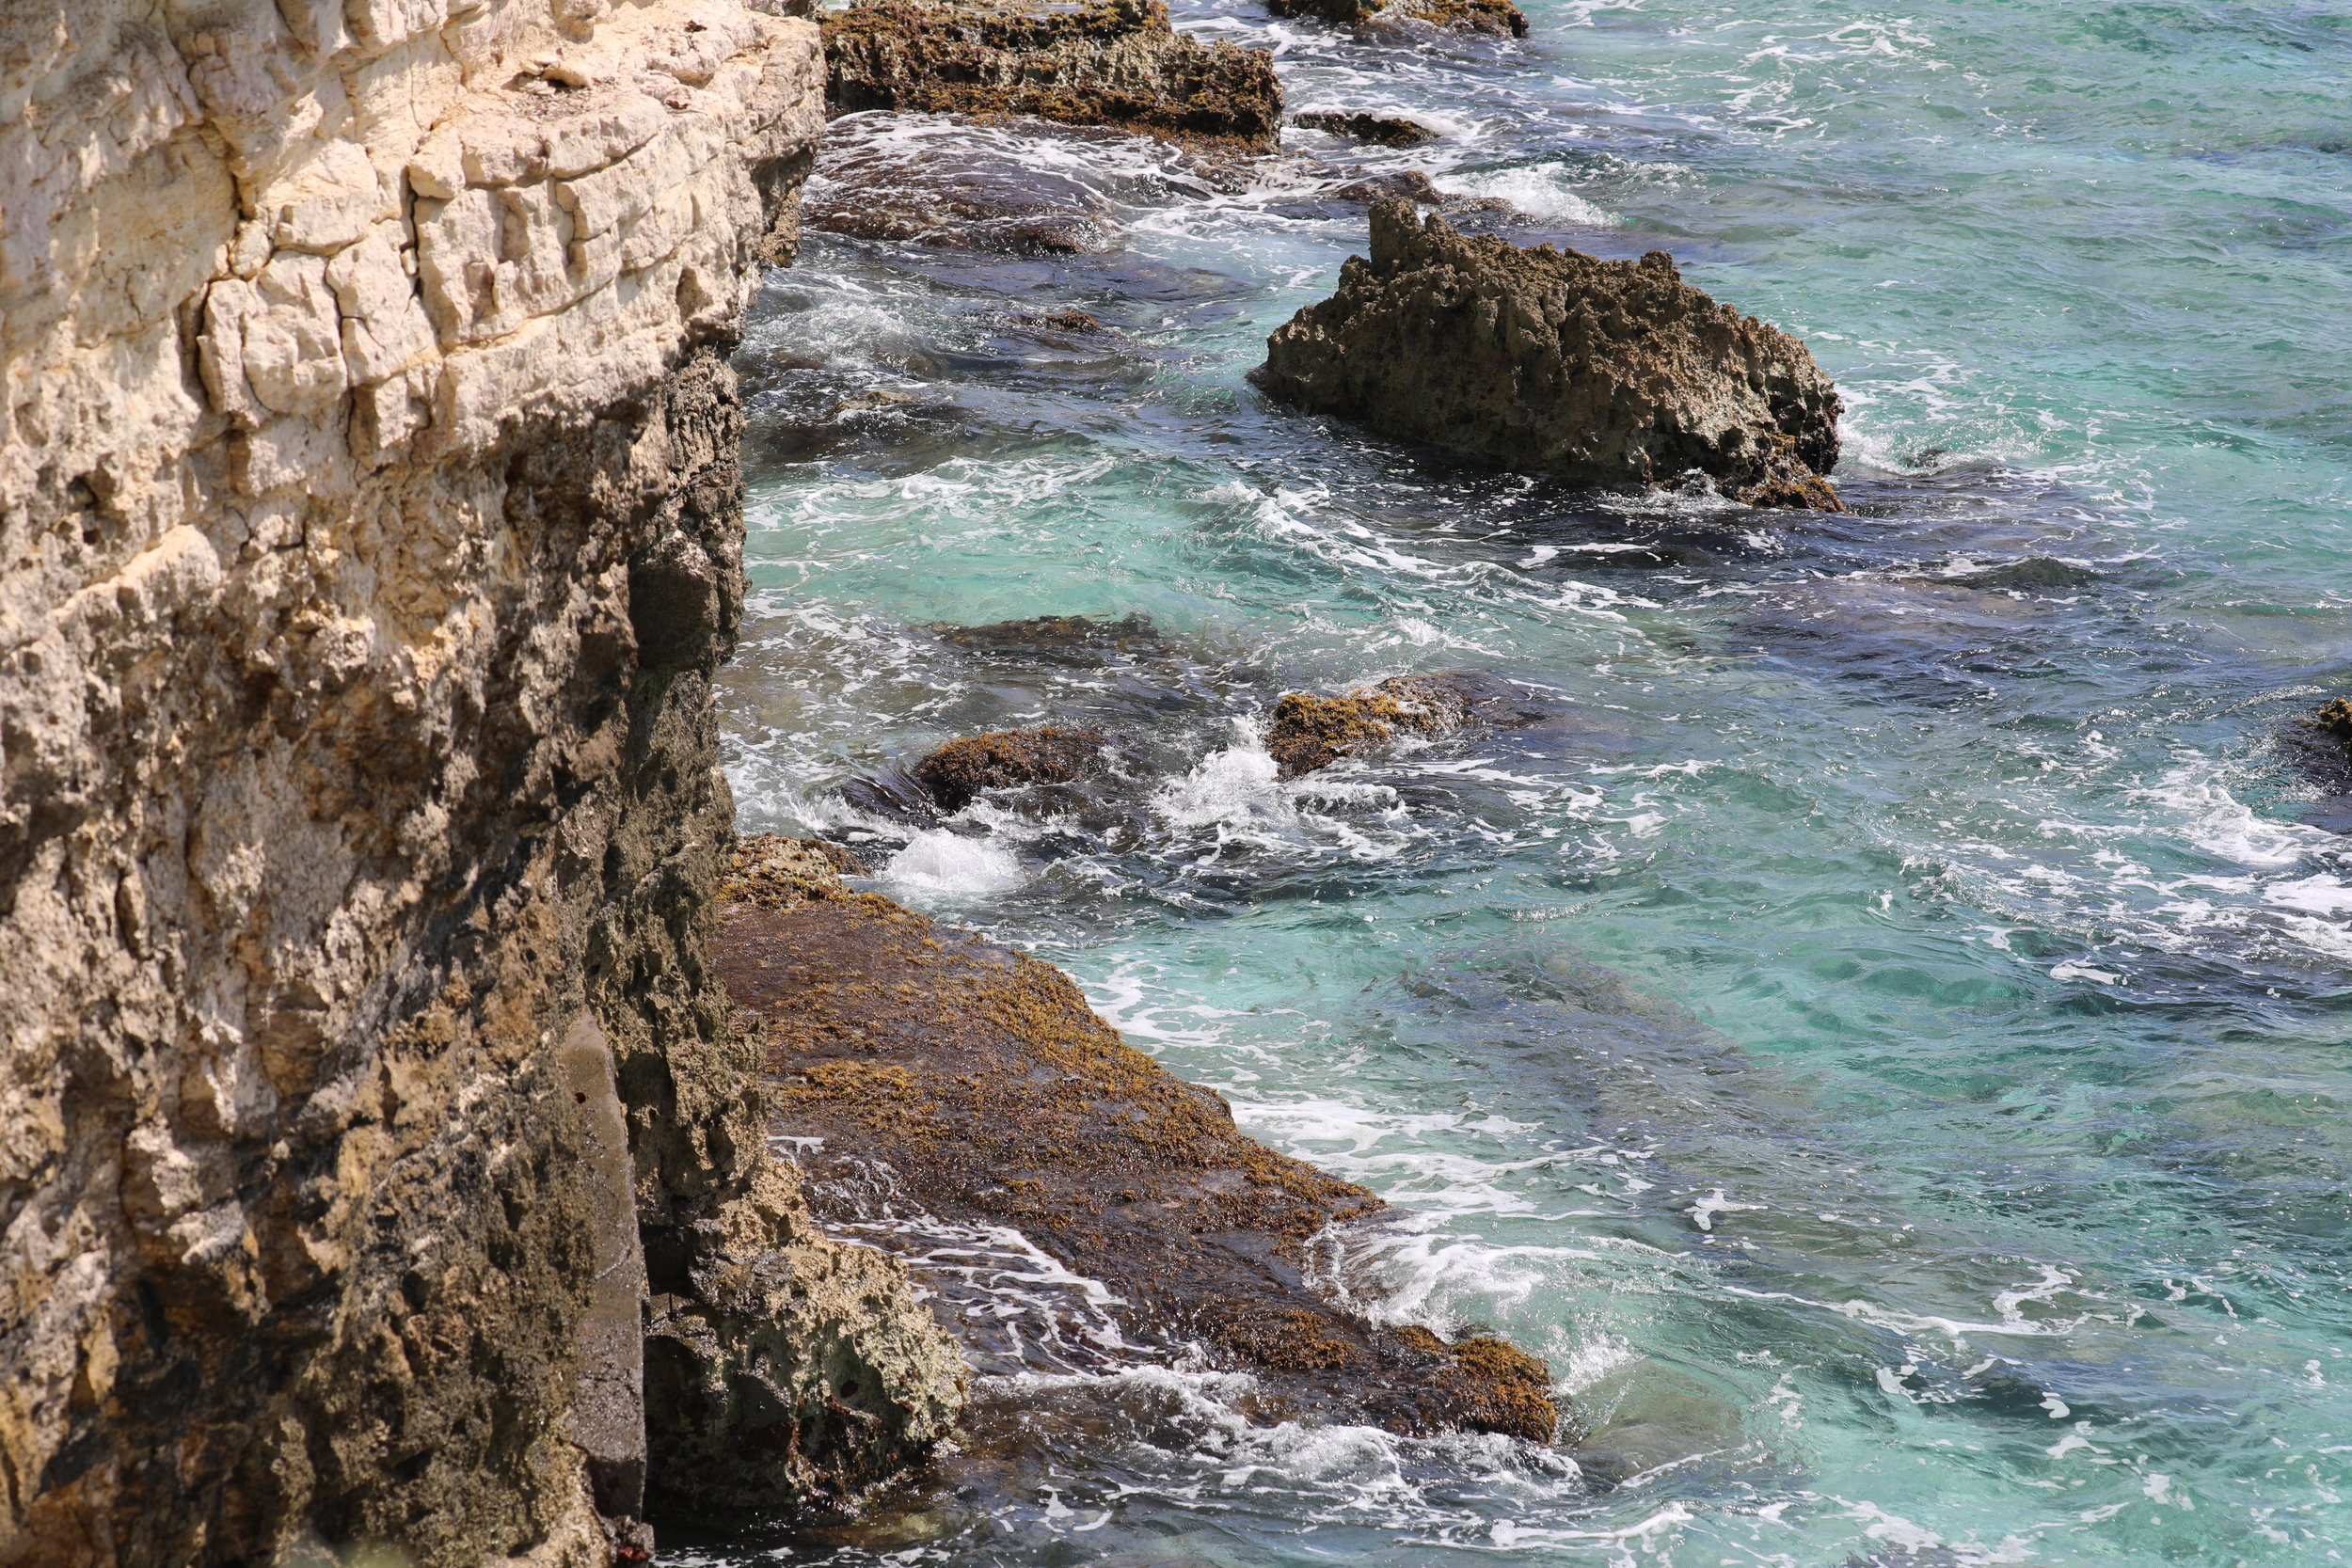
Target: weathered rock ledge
[(1615, 374), (1499, 17), (1098, 62), (975, 1082), (369, 529)]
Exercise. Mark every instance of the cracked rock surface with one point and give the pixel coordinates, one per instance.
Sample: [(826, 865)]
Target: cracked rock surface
[(370, 526)]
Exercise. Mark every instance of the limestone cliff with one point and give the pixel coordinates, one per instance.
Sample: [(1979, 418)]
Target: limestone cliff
[(369, 529)]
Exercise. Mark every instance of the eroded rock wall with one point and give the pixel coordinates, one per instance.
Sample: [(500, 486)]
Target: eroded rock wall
[(369, 529)]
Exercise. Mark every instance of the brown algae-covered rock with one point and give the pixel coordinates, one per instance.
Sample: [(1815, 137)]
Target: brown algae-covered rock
[(1308, 732), (993, 1095), (1380, 130), (1499, 17), (1007, 759), (1109, 62), (1615, 374)]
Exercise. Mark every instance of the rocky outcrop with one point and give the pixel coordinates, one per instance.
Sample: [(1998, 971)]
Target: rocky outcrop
[(1615, 374), (1499, 17), (1308, 732), (1380, 130), (2321, 748), (1009, 759), (975, 1085), (368, 530), (1105, 62)]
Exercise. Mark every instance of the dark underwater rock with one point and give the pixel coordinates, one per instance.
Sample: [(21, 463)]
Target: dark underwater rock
[(2321, 748), (949, 185), (1110, 62), (1308, 732), (1009, 759), (1869, 618), (1615, 374), (1499, 17), (1380, 130), (1062, 637), (975, 1083)]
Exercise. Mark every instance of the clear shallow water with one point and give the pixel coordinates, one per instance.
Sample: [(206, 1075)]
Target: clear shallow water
[(1885, 1039)]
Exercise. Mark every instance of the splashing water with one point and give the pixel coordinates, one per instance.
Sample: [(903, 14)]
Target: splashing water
[(1882, 1038)]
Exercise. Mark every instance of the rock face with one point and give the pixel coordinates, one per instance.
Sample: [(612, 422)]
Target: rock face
[(975, 1084), (1615, 374), (1109, 62), (1499, 17), (369, 530)]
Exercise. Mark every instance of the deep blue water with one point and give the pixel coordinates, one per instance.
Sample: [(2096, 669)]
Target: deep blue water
[(1886, 1038)]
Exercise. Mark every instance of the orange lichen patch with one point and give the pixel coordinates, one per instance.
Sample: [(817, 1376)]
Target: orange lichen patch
[(1310, 732), (995, 1096), (2335, 717), (1007, 759)]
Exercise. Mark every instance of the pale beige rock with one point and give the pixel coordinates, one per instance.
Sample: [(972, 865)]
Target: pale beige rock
[(368, 531)]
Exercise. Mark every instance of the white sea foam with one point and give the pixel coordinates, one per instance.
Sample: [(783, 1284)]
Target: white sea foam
[(938, 864), (1547, 191)]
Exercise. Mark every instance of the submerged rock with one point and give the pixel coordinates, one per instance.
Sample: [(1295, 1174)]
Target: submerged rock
[(1380, 130), (1308, 732), (1499, 17), (973, 1084), (1009, 759), (1870, 620), (1083, 637), (951, 185), (1611, 374), (2321, 748), (1110, 62)]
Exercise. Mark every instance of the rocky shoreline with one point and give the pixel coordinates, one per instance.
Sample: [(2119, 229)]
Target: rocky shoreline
[(390, 1156), (976, 1085)]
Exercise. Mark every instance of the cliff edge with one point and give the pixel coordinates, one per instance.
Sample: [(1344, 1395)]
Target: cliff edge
[(369, 529)]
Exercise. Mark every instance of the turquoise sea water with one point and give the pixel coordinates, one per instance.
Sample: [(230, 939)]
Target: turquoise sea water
[(1886, 1038)]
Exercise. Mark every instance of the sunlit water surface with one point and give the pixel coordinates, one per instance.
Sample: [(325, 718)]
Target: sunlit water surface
[(1886, 1039)]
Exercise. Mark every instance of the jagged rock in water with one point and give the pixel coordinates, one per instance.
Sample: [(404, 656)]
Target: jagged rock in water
[(1615, 374), (1007, 759), (1109, 62), (370, 531), (1499, 17), (1380, 130), (952, 185), (2321, 748), (975, 1084), (1084, 639), (794, 1366), (1308, 732)]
